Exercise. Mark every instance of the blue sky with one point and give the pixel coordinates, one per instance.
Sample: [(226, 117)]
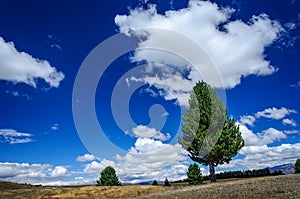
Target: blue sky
[(68, 110)]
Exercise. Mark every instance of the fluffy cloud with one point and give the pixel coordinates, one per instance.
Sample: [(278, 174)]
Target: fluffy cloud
[(142, 131), (256, 157), (275, 113), (287, 121), (12, 136), (85, 158), (257, 154), (270, 113), (45, 174), (236, 47), (149, 159), (270, 135), (247, 119), (267, 136), (95, 167), (59, 171), (20, 67), (170, 83)]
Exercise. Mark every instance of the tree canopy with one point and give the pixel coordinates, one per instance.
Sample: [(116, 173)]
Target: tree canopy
[(108, 177), (209, 135)]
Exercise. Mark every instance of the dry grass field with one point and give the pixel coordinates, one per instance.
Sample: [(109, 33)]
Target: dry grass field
[(287, 186)]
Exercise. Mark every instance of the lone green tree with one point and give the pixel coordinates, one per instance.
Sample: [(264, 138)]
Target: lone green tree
[(154, 183), (210, 137), (167, 183), (194, 175), (108, 177), (297, 166)]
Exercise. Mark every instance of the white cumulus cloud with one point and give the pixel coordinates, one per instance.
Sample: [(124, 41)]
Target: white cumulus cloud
[(21, 67), (95, 167), (236, 47), (267, 136), (270, 113), (45, 174), (275, 113), (247, 119), (148, 159), (59, 171), (270, 135), (258, 157), (86, 158), (258, 154), (142, 131), (287, 121)]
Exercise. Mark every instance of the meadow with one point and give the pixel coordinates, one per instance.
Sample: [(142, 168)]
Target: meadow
[(285, 186)]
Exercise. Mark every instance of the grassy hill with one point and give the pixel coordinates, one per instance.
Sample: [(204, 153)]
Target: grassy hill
[(286, 186)]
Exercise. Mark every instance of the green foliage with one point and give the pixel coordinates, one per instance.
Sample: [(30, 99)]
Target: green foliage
[(210, 137), (167, 182), (297, 166), (246, 174), (194, 175), (154, 183), (108, 177)]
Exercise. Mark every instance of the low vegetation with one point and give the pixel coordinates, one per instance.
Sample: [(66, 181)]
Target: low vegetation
[(283, 186), (246, 174)]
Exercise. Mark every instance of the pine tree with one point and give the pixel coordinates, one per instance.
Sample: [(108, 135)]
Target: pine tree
[(167, 182), (154, 183), (194, 175), (108, 177), (297, 166), (209, 136)]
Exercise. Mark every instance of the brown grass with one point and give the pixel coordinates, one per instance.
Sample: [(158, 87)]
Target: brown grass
[(267, 187)]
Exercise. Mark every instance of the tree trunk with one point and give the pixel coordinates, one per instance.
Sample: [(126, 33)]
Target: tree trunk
[(212, 172)]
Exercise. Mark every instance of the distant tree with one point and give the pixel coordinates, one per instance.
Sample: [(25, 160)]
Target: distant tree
[(154, 183), (108, 177), (209, 136), (297, 166), (266, 172), (167, 182), (194, 175)]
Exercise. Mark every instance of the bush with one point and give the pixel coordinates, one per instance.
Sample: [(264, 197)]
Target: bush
[(108, 177), (297, 166), (194, 175)]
